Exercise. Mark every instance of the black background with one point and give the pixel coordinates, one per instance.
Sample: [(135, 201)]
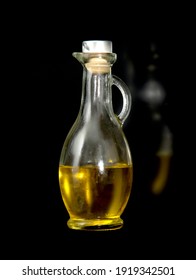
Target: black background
[(41, 105)]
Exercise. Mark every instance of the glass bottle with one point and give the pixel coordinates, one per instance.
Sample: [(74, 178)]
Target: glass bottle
[(95, 168)]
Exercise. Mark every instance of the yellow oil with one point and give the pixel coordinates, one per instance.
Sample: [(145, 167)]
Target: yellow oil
[(94, 196)]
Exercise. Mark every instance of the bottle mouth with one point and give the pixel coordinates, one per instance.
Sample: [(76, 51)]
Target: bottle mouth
[(96, 62)]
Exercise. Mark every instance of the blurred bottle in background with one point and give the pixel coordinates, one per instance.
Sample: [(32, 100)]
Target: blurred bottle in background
[(154, 94), (153, 139)]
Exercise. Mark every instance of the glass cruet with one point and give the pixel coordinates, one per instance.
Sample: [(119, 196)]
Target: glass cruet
[(95, 168)]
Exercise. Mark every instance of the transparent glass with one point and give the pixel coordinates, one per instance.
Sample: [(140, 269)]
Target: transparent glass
[(95, 169)]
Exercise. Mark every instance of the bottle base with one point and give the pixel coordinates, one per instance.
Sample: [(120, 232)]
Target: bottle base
[(95, 224)]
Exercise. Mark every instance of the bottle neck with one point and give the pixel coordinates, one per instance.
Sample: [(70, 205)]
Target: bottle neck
[(96, 93), (96, 84)]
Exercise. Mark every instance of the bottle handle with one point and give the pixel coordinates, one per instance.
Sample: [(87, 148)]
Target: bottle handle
[(127, 99)]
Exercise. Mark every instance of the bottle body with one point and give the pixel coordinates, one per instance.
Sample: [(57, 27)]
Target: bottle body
[(95, 199), (95, 169)]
